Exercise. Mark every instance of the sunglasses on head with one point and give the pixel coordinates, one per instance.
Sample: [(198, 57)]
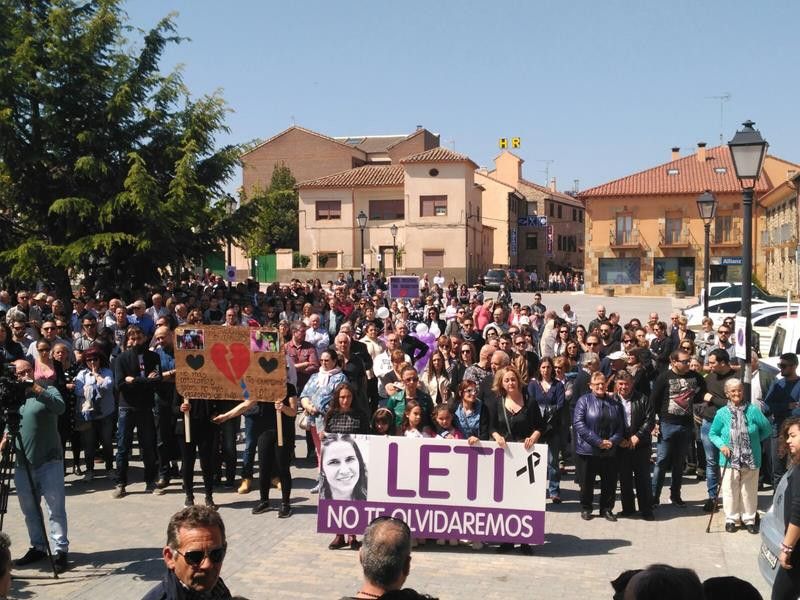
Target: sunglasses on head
[(195, 557)]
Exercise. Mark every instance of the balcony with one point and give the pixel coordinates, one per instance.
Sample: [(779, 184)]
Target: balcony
[(626, 240), (672, 238), (728, 238)]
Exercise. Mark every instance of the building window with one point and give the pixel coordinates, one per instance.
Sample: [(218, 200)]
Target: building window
[(580, 216), (532, 207), (433, 206), (624, 229), (666, 270), (531, 241), (672, 230), (619, 271), (559, 211), (328, 210), (723, 229), (328, 260), (552, 210), (386, 210), (574, 214), (433, 259), (560, 243)]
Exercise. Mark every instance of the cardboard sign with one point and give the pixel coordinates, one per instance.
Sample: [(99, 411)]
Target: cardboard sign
[(403, 286), (441, 488), (229, 363)]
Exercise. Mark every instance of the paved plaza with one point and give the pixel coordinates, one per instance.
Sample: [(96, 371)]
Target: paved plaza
[(116, 544)]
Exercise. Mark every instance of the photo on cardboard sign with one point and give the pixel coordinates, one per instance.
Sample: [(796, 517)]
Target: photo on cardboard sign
[(264, 341), (191, 339)]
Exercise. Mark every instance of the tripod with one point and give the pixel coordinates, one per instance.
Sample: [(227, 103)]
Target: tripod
[(7, 474)]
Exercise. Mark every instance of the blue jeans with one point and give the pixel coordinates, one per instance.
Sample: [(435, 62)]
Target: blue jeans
[(712, 460), (553, 472), (48, 480), (673, 444), (250, 447), (144, 423)]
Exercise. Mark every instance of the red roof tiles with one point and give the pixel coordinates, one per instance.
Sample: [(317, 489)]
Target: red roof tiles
[(437, 155), (687, 175), (367, 176)]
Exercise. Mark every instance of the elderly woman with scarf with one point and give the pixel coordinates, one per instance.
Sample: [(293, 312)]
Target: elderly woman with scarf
[(738, 430), (316, 397)]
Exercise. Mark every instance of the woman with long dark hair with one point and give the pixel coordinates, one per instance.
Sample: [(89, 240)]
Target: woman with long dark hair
[(787, 579), (548, 392)]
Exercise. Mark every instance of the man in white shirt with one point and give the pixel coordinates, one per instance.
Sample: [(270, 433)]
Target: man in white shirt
[(316, 334), (382, 364), (438, 279)]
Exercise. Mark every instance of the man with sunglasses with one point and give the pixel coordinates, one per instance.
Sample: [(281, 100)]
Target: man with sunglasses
[(674, 395), (782, 400), (194, 553), (726, 345)]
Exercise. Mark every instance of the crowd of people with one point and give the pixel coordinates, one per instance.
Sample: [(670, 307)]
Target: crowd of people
[(449, 363)]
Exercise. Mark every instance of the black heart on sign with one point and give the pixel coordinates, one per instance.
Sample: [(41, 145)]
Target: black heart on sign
[(195, 361), (268, 365)]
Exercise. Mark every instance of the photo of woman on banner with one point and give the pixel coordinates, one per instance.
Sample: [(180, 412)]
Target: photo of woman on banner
[(513, 417), (344, 471)]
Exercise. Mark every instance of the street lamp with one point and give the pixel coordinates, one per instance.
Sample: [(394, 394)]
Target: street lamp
[(747, 149), (362, 223), (393, 230), (707, 207), (230, 208)]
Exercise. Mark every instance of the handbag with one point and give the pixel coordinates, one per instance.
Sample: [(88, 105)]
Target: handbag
[(304, 422)]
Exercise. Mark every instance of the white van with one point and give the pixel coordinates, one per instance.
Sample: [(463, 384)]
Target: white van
[(786, 337)]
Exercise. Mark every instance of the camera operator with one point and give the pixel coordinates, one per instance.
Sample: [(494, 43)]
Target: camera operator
[(42, 448)]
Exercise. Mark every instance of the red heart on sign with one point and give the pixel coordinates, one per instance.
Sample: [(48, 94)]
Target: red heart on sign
[(232, 361)]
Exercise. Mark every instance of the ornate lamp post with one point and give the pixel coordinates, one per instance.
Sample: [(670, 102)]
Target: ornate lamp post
[(707, 207), (362, 223), (748, 150), (393, 231), (230, 208)]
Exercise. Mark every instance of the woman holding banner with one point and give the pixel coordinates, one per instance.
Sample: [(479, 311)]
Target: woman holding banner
[(340, 480), (316, 397), (470, 415), (265, 431), (513, 418)]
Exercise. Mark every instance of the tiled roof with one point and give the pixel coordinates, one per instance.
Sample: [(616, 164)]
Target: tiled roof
[(437, 155), (372, 144), (561, 196), (686, 175), (367, 176), (304, 130)]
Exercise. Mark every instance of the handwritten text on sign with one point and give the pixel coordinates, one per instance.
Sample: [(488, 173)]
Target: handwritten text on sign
[(444, 489), (229, 363)]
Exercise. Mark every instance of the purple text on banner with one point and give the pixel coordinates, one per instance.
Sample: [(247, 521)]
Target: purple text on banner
[(476, 524)]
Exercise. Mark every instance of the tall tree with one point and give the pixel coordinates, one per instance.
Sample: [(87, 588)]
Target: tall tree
[(108, 167), (274, 222)]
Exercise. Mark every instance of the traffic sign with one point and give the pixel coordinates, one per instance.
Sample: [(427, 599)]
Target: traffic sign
[(230, 273)]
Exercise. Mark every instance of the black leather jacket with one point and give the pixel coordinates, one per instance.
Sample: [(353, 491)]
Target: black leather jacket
[(643, 416)]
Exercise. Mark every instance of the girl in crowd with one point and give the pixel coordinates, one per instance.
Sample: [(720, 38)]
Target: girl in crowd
[(548, 392), (383, 423), (413, 421), (343, 419), (443, 423), (434, 379), (580, 337), (317, 394), (513, 418)]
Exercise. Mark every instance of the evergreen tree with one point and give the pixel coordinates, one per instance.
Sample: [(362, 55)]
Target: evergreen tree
[(274, 223)]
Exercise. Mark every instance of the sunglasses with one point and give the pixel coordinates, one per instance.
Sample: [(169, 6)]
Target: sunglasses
[(411, 379), (627, 341), (466, 351), (683, 362), (195, 557), (592, 343), (723, 332)]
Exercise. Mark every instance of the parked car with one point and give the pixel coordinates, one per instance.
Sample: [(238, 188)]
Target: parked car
[(786, 337), (718, 310), (772, 532), (734, 290), (493, 278)]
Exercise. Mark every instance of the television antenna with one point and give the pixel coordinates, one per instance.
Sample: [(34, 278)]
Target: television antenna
[(722, 100), (547, 162)]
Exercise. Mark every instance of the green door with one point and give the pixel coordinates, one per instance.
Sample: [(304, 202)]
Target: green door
[(266, 268), (216, 262)]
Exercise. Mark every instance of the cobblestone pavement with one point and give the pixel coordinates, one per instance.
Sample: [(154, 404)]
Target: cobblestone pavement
[(116, 549)]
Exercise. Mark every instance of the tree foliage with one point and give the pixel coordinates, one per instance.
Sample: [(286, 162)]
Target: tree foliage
[(108, 168), (274, 215)]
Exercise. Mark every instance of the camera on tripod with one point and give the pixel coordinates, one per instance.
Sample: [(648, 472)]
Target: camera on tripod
[(12, 391)]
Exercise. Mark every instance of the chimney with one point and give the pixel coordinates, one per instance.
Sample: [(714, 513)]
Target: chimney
[(553, 185), (419, 127), (676, 153), (701, 152)]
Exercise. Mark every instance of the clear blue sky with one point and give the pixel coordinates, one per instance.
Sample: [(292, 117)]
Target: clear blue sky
[(602, 88)]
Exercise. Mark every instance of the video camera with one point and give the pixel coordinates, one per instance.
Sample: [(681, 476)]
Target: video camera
[(12, 391)]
